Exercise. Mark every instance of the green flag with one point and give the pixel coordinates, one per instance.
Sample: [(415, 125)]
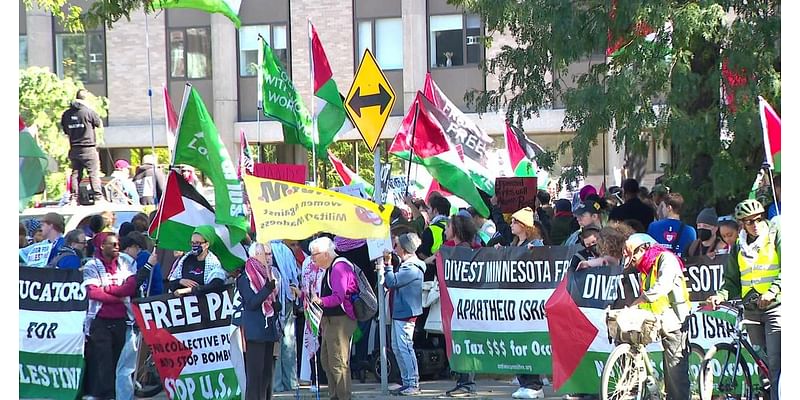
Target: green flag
[(228, 8), (198, 144), (282, 102), (32, 166)]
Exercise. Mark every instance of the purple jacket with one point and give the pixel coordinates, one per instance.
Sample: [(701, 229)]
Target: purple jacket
[(343, 284)]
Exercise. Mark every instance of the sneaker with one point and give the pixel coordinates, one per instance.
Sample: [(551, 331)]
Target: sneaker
[(313, 389), (461, 391), (525, 393), (397, 390), (410, 391)]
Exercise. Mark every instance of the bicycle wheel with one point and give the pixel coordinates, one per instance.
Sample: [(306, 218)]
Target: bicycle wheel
[(621, 375), (146, 380), (723, 377), (696, 355)]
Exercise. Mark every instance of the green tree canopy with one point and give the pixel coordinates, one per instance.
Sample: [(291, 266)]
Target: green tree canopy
[(43, 97), (665, 85)]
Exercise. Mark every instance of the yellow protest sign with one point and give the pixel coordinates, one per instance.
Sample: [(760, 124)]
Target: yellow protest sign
[(285, 210), (370, 100)]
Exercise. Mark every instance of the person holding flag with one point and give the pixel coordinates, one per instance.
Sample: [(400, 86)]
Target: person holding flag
[(198, 271)]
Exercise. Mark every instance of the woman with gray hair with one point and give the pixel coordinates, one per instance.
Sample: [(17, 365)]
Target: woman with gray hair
[(338, 316), (257, 287), (405, 299)]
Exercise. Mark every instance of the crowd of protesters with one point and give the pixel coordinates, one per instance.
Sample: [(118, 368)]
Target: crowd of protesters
[(626, 225)]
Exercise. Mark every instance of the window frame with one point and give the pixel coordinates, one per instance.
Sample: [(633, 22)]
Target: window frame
[(27, 61), (59, 57), (482, 49), (373, 42), (209, 75), (271, 26)]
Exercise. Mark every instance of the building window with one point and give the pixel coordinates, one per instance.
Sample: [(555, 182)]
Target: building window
[(23, 51), (190, 53), (275, 35), (81, 56), (451, 43), (384, 36)]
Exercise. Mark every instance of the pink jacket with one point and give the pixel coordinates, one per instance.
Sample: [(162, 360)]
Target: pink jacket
[(343, 284)]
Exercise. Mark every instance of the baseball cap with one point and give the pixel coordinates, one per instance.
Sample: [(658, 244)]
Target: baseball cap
[(121, 164), (588, 207)]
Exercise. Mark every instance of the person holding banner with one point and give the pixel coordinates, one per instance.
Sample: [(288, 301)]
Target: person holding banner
[(198, 271), (338, 316), (753, 272), (257, 286), (664, 293)]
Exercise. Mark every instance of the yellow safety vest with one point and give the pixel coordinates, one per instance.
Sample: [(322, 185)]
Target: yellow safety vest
[(758, 273), (662, 302), (437, 230)]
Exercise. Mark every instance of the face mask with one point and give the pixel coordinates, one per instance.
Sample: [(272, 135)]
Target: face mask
[(593, 249), (197, 249), (704, 234)]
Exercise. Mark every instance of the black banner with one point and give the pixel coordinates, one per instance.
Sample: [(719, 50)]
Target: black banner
[(51, 289)]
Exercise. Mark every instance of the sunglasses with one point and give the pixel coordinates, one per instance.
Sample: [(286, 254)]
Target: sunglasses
[(751, 222)]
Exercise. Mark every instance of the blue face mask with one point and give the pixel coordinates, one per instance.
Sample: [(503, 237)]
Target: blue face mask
[(197, 249)]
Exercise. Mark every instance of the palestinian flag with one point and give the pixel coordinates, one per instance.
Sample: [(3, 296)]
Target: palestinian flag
[(228, 8), (522, 152), (432, 149), (171, 121), (181, 211), (771, 126), (347, 175), (328, 106), (32, 166)]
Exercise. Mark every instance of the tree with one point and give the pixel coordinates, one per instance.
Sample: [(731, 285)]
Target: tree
[(42, 99), (663, 82), (100, 12)]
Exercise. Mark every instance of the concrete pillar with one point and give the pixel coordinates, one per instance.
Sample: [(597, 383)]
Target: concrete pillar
[(226, 97), (40, 38), (415, 49)]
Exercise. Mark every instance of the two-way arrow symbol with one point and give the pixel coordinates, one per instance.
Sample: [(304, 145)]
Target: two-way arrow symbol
[(382, 98)]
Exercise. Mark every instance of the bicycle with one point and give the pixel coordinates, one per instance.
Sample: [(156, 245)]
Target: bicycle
[(628, 374), (729, 362)]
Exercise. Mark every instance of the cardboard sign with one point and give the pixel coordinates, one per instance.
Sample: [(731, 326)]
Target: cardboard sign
[(515, 193)]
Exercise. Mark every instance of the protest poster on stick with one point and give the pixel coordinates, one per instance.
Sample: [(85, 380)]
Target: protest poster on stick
[(515, 193), (52, 309), (190, 340)]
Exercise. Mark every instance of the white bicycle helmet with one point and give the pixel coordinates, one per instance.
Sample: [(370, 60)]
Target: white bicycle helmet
[(748, 208)]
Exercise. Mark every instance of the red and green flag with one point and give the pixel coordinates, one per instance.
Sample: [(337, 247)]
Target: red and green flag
[(771, 126), (182, 211), (428, 145), (522, 152), (347, 175), (329, 110)]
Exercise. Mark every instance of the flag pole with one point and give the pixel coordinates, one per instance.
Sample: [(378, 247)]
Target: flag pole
[(259, 90), (376, 198), (411, 147), (313, 119), (150, 90)]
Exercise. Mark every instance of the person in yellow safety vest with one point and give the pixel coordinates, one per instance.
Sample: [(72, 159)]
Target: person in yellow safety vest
[(433, 235), (753, 273), (663, 292)]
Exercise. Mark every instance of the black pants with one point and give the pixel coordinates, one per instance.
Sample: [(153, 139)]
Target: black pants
[(81, 158), (106, 339), (258, 366), (530, 381)]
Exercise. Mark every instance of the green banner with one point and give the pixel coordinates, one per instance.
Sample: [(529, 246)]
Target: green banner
[(50, 376)]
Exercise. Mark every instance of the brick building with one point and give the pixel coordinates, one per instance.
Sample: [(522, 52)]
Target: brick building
[(408, 37)]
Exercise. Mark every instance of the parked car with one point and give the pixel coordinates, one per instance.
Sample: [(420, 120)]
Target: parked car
[(78, 216)]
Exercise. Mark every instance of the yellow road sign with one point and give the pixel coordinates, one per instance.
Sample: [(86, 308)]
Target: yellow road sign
[(369, 101)]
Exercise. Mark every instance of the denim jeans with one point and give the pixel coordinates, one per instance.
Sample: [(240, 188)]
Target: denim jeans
[(127, 365), (285, 378), (403, 348)]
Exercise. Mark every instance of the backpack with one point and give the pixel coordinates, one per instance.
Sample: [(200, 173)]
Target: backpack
[(365, 303)]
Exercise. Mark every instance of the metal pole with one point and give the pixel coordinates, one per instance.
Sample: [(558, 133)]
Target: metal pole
[(150, 91), (313, 120), (259, 91), (376, 197)]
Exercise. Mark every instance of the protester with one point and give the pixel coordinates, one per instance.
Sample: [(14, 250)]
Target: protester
[(709, 241), (285, 372), (487, 229), (71, 255), (544, 210), (671, 232), (198, 271), (405, 302), (260, 320), (53, 232), (79, 123), (34, 228), (633, 208), (587, 214), (729, 231), (122, 176), (753, 273), (38, 253), (110, 282), (23, 235), (658, 195), (564, 222), (433, 235), (156, 282), (310, 286), (614, 196), (149, 180), (338, 316), (664, 293), (131, 247)]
